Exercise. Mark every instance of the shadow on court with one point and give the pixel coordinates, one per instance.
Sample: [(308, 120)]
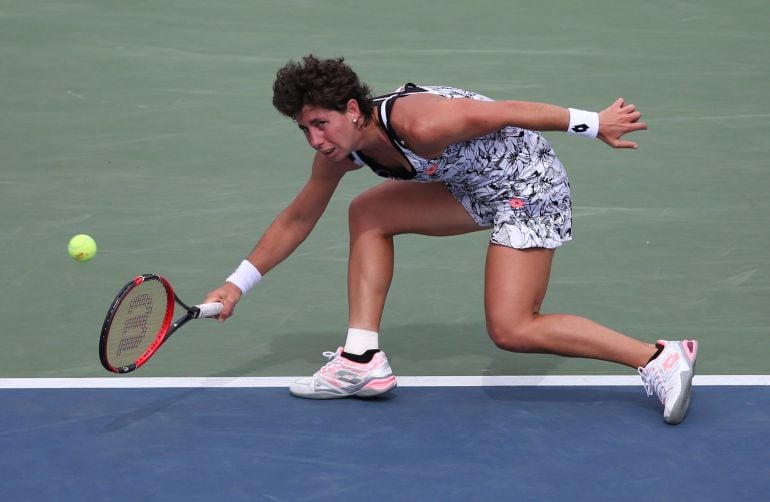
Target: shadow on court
[(421, 349)]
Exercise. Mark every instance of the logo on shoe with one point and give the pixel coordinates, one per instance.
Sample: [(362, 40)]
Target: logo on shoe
[(348, 377), (671, 361)]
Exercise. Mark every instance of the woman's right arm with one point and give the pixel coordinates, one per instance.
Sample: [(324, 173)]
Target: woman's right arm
[(290, 228)]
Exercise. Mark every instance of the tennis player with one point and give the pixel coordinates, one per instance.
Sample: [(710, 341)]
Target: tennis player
[(456, 162)]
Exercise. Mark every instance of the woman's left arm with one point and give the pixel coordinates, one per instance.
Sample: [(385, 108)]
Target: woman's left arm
[(430, 125), (618, 119)]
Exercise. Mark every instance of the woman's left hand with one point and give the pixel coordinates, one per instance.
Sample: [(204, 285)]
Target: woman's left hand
[(617, 120)]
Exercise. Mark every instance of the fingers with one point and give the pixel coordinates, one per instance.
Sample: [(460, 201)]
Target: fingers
[(619, 119), (228, 295), (626, 144), (616, 141), (623, 109), (228, 308), (619, 143), (628, 111)]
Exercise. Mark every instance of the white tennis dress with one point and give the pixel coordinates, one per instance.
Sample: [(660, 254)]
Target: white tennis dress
[(510, 179)]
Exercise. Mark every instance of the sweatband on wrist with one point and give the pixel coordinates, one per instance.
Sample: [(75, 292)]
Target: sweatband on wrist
[(245, 276), (583, 123)]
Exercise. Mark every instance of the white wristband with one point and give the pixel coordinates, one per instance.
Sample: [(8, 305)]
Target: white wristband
[(583, 123), (245, 276)]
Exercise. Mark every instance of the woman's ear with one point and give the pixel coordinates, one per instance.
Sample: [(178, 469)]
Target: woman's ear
[(353, 109)]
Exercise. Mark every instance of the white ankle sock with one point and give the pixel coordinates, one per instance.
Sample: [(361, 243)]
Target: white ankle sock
[(361, 340)]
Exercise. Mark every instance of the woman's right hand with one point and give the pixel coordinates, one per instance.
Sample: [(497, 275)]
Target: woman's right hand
[(228, 295)]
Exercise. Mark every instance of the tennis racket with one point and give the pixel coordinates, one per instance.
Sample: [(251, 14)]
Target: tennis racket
[(139, 321)]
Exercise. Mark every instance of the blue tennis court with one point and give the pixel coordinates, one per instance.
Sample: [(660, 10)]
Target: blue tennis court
[(419, 443)]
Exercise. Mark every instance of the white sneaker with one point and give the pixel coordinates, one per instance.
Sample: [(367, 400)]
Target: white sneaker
[(669, 376), (341, 377)]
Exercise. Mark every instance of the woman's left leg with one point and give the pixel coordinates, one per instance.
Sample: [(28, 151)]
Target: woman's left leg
[(516, 281)]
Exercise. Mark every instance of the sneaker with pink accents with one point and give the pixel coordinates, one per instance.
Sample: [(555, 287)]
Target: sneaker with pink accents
[(669, 376), (341, 377)]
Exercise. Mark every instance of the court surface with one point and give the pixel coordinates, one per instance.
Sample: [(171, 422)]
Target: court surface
[(149, 126), (418, 443)]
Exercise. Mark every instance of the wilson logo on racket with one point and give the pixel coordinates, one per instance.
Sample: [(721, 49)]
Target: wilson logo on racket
[(134, 328)]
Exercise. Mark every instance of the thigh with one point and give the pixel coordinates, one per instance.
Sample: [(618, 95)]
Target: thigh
[(400, 207), (515, 282)]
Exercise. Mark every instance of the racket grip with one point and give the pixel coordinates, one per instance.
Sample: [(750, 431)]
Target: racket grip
[(209, 309)]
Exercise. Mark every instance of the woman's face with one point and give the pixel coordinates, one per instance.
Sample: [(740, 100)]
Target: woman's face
[(329, 132)]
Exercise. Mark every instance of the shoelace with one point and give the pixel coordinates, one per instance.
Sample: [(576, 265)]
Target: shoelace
[(331, 356), (653, 383)]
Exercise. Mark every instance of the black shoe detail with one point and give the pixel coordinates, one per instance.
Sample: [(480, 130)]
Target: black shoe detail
[(660, 347), (360, 358)]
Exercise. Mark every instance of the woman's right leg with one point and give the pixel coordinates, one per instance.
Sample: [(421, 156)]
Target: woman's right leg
[(391, 208)]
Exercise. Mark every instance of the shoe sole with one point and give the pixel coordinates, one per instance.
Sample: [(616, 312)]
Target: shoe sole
[(678, 412), (371, 389)]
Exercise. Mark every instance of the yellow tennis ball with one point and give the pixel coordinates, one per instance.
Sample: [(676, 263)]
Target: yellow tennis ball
[(82, 247)]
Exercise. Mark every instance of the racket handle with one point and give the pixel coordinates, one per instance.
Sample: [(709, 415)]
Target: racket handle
[(208, 309)]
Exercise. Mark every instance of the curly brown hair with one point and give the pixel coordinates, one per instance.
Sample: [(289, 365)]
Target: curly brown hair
[(326, 83)]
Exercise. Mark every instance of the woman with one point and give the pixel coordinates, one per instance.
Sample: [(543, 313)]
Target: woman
[(480, 165)]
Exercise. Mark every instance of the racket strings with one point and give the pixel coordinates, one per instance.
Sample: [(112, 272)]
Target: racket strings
[(136, 323), (135, 327)]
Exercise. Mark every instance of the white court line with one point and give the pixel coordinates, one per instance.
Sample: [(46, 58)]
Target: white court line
[(406, 381)]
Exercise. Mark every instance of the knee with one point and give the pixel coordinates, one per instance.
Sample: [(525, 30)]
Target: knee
[(513, 336), (363, 215)]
